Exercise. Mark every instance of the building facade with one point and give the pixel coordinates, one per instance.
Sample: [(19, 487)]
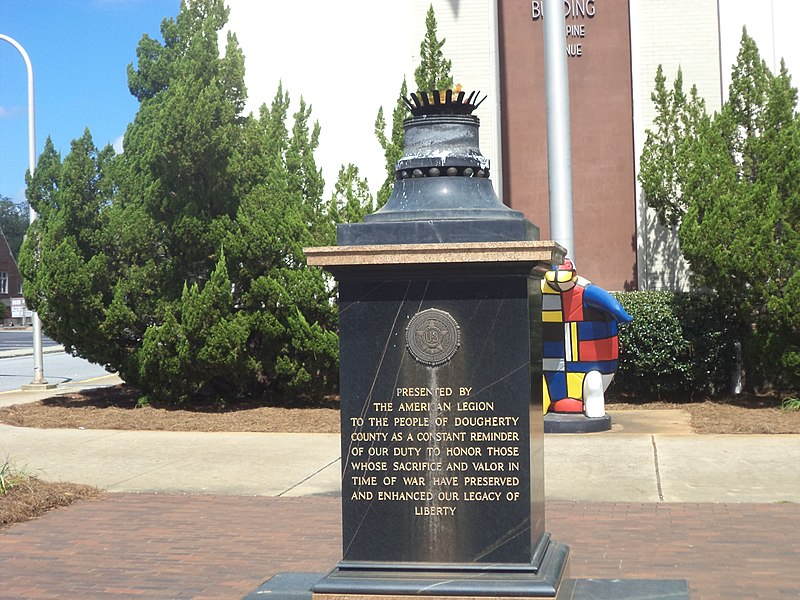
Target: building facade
[(601, 123), (685, 35), (10, 280), (496, 46)]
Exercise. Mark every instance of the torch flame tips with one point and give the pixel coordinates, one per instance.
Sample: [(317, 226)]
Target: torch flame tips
[(443, 102)]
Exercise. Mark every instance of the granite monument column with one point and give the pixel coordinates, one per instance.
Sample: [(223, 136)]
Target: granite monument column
[(440, 340)]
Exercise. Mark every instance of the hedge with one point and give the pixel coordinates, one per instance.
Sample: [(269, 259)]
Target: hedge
[(679, 344)]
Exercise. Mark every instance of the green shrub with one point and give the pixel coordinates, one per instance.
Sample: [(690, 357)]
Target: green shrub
[(771, 359), (678, 344)]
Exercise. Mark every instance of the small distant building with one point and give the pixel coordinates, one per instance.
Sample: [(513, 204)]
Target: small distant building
[(10, 284)]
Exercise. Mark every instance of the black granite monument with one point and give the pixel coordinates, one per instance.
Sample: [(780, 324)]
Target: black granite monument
[(442, 433), (441, 389)]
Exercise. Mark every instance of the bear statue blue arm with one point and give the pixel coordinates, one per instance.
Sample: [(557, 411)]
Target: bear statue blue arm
[(599, 299)]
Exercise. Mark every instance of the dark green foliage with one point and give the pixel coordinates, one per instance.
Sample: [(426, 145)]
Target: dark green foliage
[(677, 345), (198, 348), (668, 148), (67, 247), (179, 263), (731, 182), (14, 219)]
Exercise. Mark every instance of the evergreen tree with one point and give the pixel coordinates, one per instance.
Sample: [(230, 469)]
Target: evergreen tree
[(667, 148), (735, 194), (392, 145), (179, 263), (351, 199), (66, 257), (433, 73)]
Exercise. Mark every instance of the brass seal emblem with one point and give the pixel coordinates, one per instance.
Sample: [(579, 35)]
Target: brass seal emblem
[(433, 337)]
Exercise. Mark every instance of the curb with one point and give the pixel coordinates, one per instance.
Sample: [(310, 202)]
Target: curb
[(17, 352)]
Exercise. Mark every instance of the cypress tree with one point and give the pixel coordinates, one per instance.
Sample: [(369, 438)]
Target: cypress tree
[(179, 262), (433, 72), (735, 194)]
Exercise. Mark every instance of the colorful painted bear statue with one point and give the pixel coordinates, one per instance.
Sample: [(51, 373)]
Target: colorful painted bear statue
[(581, 347)]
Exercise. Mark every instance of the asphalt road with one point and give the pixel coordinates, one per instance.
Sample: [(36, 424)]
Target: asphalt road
[(59, 367), (13, 340)]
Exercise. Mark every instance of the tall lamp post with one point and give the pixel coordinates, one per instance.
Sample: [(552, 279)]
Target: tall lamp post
[(39, 381)]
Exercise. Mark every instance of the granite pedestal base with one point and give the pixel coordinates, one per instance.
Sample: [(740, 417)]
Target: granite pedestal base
[(297, 586), (442, 439), (575, 423), (624, 589), (541, 580)]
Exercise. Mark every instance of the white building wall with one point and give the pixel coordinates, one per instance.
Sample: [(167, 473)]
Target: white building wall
[(471, 45), (348, 58), (685, 34), (773, 26)]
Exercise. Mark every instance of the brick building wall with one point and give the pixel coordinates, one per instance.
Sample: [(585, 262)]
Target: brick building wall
[(601, 123), (10, 279)]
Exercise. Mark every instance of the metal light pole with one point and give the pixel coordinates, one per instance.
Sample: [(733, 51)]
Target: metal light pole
[(559, 149), (38, 361)]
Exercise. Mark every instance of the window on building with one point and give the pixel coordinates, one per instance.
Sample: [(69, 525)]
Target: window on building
[(3, 282)]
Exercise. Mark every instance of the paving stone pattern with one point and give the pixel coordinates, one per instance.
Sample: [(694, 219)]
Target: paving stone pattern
[(172, 546)]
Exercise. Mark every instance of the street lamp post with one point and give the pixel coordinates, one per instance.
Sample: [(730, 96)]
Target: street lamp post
[(38, 361)]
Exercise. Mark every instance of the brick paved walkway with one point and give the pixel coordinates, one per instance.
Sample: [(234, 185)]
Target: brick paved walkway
[(167, 546)]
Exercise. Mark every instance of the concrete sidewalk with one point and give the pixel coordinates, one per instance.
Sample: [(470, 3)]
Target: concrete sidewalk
[(12, 397), (645, 458)]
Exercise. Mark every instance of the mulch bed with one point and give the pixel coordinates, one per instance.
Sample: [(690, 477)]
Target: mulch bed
[(745, 413), (32, 497), (117, 408)]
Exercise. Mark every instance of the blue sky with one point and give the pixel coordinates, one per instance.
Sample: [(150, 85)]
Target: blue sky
[(80, 50)]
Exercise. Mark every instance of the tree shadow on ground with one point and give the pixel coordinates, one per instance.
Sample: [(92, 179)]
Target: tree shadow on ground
[(127, 397)]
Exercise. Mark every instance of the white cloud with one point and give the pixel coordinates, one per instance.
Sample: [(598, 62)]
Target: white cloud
[(117, 143), (19, 197), (8, 113)]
